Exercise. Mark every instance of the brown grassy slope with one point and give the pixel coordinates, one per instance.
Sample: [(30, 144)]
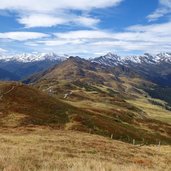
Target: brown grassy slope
[(33, 106), (26, 106), (44, 149)]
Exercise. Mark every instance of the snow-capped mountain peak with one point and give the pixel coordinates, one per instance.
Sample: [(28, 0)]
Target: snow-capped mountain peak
[(108, 59), (112, 56), (33, 57), (111, 59), (165, 56)]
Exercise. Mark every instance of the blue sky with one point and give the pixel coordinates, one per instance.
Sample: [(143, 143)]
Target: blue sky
[(87, 28)]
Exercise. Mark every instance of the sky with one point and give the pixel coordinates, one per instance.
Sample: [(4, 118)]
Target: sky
[(87, 28)]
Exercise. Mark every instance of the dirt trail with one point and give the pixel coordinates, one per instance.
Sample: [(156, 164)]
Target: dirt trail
[(9, 91)]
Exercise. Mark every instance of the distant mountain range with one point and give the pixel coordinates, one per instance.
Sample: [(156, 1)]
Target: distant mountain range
[(156, 68), (32, 57), (6, 75), (21, 66), (111, 59), (152, 67)]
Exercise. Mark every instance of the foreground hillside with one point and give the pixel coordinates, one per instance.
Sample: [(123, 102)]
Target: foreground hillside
[(22, 106), (43, 149)]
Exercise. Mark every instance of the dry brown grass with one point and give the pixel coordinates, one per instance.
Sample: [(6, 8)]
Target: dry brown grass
[(50, 150)]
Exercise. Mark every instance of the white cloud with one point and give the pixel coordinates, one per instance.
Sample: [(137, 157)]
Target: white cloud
[(83, 34), (163, 9), (48, 13), (87, 21), (2, 50), (46, 20), (53, 5), (22, 36), (57, 42), (41, 20)]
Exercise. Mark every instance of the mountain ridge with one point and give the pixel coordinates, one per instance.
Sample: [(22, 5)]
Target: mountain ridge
[(111, 59), (33, 57), (146, 57), (156, 68)]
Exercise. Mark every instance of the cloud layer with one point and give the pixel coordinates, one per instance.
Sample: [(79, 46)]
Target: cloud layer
[(152, 38), (48, 13), (22, 36), (53, 5), (87, 38)]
